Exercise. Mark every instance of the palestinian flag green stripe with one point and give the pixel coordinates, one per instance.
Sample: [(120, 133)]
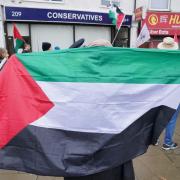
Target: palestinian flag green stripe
[(105, 65)]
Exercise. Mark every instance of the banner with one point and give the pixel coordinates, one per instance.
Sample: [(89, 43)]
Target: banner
[(163, 23)]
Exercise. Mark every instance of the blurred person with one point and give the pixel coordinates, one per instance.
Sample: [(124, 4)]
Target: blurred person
[(168, 43), (3, 54), (27, 48), (46, 46), (168, 144), (100, 42)]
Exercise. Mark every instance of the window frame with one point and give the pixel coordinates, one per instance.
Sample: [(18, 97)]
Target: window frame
[(154, 9), (103, 5)]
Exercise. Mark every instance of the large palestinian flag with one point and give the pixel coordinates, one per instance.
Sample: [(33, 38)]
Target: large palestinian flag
[(83, 111)]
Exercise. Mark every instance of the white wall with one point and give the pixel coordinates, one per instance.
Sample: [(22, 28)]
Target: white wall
[(94, 32), (57, 35), (86, 5), (127, 6), (143, 3), (175, 5)]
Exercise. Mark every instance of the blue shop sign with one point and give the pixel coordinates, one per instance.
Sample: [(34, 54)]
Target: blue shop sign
[(57, 15)]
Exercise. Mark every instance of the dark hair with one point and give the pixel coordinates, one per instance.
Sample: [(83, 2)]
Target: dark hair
[(46, 46)]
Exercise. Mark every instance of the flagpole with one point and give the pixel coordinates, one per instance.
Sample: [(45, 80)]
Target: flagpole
[(115, 36)]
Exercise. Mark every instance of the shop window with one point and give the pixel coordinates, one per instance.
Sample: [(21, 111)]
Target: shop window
[(122, 39), (11, 43), (161, 5), (108, 2)]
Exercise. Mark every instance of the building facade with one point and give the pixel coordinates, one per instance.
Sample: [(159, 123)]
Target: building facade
[(62, 22), (162, 19)]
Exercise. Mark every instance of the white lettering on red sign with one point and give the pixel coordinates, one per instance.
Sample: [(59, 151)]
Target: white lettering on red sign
[(163, 19)]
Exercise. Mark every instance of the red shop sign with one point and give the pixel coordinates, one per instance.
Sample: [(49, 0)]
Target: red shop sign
[(163, 23)]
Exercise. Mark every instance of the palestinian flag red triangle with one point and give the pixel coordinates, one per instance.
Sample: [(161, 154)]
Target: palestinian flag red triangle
[(120, 19), (22, 100)]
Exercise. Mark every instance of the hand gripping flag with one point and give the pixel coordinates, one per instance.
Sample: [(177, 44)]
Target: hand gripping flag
[(77, 112)]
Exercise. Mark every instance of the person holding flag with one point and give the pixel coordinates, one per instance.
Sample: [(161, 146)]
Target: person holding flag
[(121, 172)]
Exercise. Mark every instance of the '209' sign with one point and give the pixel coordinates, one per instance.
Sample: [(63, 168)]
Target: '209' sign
[(16, 13)]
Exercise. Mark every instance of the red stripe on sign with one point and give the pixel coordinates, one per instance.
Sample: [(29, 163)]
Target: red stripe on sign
[(22, 101)]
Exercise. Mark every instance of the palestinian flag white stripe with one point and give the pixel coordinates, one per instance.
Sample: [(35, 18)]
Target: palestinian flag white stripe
[(102, 107)]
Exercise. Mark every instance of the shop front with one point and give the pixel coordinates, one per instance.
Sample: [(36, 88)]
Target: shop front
[(61, 27), (162, 24)]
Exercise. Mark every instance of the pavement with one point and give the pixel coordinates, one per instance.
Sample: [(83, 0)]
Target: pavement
[(156, 164)]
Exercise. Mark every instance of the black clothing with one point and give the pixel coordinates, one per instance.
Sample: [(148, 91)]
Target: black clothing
[(123, 172)]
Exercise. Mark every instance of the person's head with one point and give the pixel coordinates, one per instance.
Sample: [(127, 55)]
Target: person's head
[(100, 42), (27, 47), (168, 43), (3, 53), (46, 46)]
